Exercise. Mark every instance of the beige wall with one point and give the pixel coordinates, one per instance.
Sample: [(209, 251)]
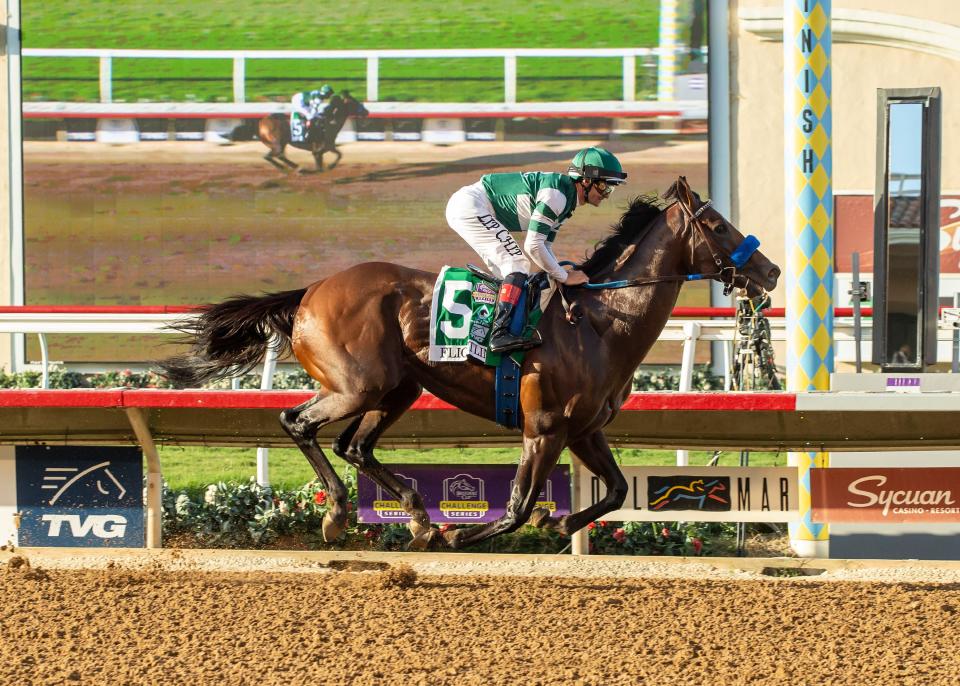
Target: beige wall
[(5, 293), (858, 70)]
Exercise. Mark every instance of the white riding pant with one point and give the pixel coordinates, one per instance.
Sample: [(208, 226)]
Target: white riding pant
[(471, 215)]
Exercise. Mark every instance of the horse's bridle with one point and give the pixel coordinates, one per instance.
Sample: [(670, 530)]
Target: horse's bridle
[(726, 275)]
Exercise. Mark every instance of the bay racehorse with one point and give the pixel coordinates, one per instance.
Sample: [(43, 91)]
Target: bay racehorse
[(274, 132), (363, 334)]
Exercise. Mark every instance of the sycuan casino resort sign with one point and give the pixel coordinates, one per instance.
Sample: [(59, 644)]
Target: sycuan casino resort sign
[(886, 495)]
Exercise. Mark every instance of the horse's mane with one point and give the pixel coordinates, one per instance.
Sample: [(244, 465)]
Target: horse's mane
[(634, 222)]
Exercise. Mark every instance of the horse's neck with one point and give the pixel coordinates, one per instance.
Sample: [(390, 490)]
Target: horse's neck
[(640, 313)]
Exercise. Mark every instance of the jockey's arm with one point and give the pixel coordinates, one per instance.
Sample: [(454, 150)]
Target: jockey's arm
[(537, 247)]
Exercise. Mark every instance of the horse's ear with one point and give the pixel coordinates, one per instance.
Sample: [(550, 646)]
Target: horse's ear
[(680, 190)]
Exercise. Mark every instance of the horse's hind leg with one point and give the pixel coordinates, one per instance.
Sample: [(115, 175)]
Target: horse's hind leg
[(356, 445), (594, 452), (302, 424), (269, 157)]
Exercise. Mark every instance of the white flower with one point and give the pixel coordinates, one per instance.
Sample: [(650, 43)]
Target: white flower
[(210, 497), (284, 508)]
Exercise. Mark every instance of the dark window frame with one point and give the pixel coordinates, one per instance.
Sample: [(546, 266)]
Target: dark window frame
[(929, 282)]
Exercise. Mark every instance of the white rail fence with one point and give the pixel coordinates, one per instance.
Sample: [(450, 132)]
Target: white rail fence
[(687, 331), (239, 58)]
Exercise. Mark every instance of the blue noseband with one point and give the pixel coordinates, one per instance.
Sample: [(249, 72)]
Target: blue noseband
[(744, 251)]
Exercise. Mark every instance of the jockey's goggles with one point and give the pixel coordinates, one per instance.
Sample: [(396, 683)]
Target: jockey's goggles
[(604, 187)]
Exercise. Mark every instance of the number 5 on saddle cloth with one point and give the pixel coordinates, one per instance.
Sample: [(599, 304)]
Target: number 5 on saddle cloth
[(461, 319)]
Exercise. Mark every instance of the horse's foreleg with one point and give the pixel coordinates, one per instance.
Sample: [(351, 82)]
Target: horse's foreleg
[(540, 455), (357, 442), (336, 161), (302, 424), (318, 159), (594, 452)]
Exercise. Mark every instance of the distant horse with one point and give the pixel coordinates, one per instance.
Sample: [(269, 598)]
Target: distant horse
[(364, 334), (274, 132)]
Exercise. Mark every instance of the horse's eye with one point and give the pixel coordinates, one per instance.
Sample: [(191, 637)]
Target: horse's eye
[(720, 229)]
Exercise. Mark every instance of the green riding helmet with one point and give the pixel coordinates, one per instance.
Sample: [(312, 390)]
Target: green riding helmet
[(325, 90), (597, 164)]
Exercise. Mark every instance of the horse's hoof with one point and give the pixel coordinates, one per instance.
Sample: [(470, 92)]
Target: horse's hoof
[(417, 528), (333, 527), (425, 540), (453, 537), (541, 518)]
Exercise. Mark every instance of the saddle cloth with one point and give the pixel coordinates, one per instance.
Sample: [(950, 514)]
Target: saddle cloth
[(461, 314)]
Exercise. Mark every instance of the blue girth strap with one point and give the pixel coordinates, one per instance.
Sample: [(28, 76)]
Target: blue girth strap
[(507, 392)]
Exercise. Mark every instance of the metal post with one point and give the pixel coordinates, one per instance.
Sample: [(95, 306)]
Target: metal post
[(808, 207), (239, 79), (14, 178), (266, 383), (106, 79), (857, 294), (373, 78), (691, 332), (154, 477), (720, 168), (44, 360), (510, 79), (629, 78), (579, 540)]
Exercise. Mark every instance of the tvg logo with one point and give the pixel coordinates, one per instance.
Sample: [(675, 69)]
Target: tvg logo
[(101, 526)]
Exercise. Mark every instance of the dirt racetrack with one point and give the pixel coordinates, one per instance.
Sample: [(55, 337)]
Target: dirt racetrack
[(198, 617)]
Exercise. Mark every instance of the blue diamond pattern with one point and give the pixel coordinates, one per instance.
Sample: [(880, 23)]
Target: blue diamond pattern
[(809, 321), (807, 241)]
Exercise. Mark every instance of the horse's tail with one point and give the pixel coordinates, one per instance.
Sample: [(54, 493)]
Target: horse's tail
[(231, 337), (274, 129)]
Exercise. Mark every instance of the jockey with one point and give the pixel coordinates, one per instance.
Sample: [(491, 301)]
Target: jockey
[(485, 213), (307, 106)]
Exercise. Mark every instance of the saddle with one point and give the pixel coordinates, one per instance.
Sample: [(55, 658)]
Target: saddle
[(464, 300)]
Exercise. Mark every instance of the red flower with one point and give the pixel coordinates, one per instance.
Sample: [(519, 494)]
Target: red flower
[(665, 532), (320, 497), (619, 535), (603, 522), (592, 525), (697, 546), (444, 528), (370, 534)]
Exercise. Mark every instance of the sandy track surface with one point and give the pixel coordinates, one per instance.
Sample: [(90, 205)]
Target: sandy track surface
[(198, 617)]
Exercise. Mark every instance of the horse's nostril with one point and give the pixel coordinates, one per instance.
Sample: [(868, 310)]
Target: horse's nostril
[(774, 274)]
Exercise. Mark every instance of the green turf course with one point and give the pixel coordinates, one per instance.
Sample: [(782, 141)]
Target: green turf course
[(195, 468), (322, 25)]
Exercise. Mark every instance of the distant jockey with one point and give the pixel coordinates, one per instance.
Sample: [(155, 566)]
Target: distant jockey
[(307, 106)]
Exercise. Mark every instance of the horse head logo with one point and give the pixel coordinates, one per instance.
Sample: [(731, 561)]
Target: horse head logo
[(61, 479)]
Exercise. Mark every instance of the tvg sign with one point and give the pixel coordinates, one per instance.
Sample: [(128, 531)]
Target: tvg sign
[(80, 496)]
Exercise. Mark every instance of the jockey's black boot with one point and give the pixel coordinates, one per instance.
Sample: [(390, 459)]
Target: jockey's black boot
[(501, 340)]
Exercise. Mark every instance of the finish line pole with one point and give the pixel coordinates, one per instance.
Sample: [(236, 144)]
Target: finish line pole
[(808, 209)]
